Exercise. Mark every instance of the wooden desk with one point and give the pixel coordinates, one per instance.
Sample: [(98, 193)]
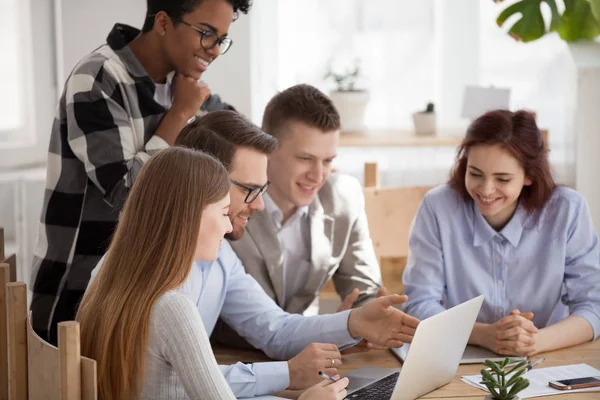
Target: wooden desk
[(588, 353)]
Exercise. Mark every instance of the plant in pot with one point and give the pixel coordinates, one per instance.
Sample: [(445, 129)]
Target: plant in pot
[(349, 101), (578, 24), (425, 121), (504, 383)]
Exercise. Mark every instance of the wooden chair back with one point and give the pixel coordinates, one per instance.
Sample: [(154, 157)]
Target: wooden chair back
[(4, 279), (390, 212), (10, 259), (61, 371), (38, 370)]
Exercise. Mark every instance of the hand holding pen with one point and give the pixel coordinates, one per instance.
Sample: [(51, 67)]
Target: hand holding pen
[(328, 389)]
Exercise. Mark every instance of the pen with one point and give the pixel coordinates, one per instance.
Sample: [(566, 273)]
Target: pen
[(510, 365), (535, 363), (324, 375)]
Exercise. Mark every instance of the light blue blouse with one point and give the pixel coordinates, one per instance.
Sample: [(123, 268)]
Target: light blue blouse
[(547, 263)]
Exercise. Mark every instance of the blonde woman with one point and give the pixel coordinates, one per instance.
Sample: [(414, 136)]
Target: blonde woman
[(149, 340)]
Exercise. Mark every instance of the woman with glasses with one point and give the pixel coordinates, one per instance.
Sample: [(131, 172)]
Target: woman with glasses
[(148, 339), (122, 103)]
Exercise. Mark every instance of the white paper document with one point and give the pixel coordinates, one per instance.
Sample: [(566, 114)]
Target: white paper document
[(539, 378), (267, 398), (472, 354)]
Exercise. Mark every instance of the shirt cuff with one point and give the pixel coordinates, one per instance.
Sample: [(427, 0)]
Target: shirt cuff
[(155, 144), (592, 318), (271, 377), (335, 329)]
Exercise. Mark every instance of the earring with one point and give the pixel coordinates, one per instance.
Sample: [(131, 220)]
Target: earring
[(163, 33)]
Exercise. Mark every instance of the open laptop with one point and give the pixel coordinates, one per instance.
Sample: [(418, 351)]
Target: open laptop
[(436, 350)]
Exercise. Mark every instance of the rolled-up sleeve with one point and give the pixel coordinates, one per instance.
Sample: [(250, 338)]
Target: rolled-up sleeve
[(250, 380)]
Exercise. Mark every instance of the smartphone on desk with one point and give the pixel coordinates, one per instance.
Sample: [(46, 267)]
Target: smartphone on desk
[(576, 383)]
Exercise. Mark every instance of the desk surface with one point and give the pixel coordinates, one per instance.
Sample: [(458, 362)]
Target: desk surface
[(588, 353)]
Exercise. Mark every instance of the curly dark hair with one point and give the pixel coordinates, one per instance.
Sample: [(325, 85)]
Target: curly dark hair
[(176, 9)]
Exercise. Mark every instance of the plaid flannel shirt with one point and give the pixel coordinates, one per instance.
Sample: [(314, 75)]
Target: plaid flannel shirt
[(102, 135)]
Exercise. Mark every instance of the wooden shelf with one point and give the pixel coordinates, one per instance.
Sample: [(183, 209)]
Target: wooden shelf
[(399, 138)]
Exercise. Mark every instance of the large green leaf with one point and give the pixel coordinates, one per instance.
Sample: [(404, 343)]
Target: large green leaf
[(578, 22), (595, 6), (531, 25)]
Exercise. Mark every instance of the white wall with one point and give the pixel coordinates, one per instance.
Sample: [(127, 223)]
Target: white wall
[(84, 24), (229, 76), (42, 109)]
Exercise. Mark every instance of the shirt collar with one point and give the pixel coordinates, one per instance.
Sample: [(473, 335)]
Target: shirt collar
[(514, 229), (483, 232), (118, 39), (277, 216)]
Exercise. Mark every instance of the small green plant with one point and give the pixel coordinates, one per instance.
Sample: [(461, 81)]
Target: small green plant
[(430, 108), (345, 81), (498, 382)]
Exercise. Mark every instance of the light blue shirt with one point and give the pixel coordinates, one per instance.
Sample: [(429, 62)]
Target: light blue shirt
[(548, 264), (223, 288)]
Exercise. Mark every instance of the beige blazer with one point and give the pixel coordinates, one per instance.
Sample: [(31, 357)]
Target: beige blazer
[(341, 248)]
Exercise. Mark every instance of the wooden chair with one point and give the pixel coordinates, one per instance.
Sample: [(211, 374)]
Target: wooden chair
[(8, 273), (390, 212), (10, 259), (4, 279), (38, 370)]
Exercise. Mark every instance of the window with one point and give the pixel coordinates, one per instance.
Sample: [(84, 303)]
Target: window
[(393, 40), (15, 73), (412, 52)]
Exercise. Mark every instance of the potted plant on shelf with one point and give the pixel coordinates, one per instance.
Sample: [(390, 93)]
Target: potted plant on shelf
[(578, 24), (425, 121), (500, 384), (349, 101)]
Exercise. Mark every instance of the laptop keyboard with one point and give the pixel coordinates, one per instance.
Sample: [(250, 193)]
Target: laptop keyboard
[(380, 390)]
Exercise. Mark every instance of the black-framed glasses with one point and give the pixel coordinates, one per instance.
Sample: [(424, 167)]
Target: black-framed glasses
[(209, 39), (253, 192)]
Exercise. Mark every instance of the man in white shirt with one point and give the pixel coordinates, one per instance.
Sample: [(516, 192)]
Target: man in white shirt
[(314, 226)]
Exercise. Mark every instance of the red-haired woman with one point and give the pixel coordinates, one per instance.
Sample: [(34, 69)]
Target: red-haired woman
[(501, 227)]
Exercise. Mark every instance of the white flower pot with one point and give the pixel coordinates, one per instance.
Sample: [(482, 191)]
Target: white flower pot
[(490, 397), (586, 57), (424, 123), (351, 107)]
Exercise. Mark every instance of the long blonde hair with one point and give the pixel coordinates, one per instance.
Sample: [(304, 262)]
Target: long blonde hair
[(151, 253)]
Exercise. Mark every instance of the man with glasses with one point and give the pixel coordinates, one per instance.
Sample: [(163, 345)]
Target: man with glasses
[(223, 289), (123, 102)]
